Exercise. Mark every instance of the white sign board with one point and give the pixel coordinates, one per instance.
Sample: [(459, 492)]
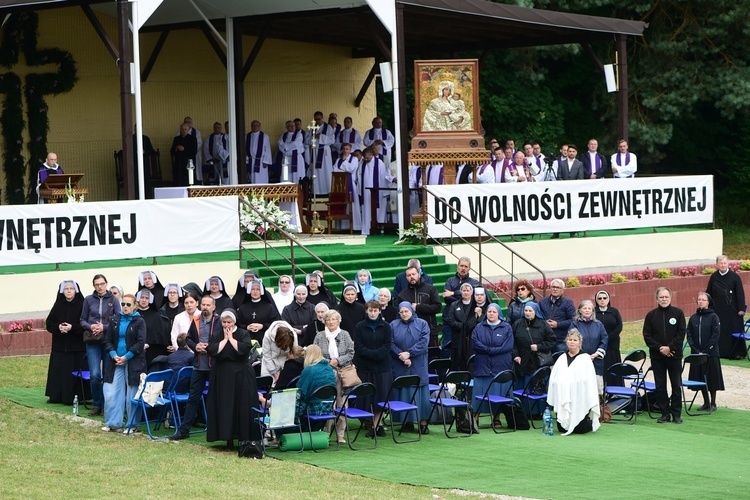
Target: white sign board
[(76, 232), (563, 206)]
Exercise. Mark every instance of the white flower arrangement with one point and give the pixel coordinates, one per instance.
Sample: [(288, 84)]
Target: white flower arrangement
[(70, 193), (255, 226), (413, 235)]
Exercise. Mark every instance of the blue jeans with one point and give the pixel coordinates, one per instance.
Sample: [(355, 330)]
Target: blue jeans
[(94, 353), (117, 396), (197, 386)]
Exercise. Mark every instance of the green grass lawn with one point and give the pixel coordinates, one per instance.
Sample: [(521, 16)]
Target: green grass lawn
[(48, 453)]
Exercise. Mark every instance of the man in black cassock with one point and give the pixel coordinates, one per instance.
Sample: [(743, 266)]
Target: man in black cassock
[(184, 148), (725, 287)]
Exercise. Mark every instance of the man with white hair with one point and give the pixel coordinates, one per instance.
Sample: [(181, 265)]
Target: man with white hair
[(559, 312)]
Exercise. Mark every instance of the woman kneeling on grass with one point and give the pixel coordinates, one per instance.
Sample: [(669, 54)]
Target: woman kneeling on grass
[(573, 390)]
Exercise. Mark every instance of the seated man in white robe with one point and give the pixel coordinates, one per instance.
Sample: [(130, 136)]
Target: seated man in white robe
[(322, 163), (258, 151), (373, 176), (348, 163), (292, 146)]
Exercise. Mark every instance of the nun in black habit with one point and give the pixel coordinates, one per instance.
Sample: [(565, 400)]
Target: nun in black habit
[(241, 293), (158, 327), (214, 287), (149, 281), (258, 311), (317, 292), (232, 389), (68, 349), (351, 310)]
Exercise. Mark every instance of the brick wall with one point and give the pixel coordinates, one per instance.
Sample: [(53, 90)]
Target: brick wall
[(635, 298)]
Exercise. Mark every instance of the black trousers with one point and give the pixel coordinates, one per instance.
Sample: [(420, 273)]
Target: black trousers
[(663, 366)]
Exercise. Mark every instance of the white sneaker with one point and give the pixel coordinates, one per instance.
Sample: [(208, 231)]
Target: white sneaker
[(131, 432), (106, 428)]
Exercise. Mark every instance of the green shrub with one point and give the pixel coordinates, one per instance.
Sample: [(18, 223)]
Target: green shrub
[(745, 265), (619, 278), (573, 282), (708, 270), (663, 273)]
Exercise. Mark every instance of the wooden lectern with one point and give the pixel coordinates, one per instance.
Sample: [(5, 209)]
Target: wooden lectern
[(53, 188)]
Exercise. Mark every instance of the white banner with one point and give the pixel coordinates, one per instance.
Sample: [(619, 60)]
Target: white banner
[(564, 206), (77, 232)]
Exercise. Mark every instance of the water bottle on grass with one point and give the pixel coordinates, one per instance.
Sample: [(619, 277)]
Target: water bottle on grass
[(548, 429), (75, 405)]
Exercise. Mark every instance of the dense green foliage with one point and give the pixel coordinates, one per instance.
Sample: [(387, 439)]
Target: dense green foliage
[(689, 88)]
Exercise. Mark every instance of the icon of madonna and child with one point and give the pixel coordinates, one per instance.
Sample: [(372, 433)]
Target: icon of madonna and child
[(447, 112)]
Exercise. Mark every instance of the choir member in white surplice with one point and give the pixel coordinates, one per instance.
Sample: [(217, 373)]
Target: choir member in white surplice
[(322, 163), (349, 134), (624, 163), (374, 175), (292, 146), (216, 149), (348, 163), (485, 174), (378, 133), (258, 151)]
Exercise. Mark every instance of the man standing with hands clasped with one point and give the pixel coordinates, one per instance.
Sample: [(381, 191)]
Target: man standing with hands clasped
[(199, 332), (664, 333)]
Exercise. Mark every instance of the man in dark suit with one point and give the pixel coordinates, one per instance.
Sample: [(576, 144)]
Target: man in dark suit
[(569, 169), (572, 169), (594, 163)]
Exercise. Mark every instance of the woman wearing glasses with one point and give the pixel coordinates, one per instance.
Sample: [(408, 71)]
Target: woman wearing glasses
[(612, 321), (124, 361), (524, 293)]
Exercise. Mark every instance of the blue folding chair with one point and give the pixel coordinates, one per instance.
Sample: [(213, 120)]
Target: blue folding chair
[(326, 393), (346, 412), (744, 337), (162, 402), (535, 397), (694, 385), (624, 399), (437, 370), (178, 396), (504, 378), (648, 387), (391, 406), (461, 380)]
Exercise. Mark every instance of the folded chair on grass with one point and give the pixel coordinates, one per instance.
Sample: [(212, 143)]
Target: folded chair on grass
[(694, 385), (535, 391), (459, 403), (152, 395), (496, 402), (743, 337), (281, 416), (390, 406), (84, 375), (364, 391), (624, 399)]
